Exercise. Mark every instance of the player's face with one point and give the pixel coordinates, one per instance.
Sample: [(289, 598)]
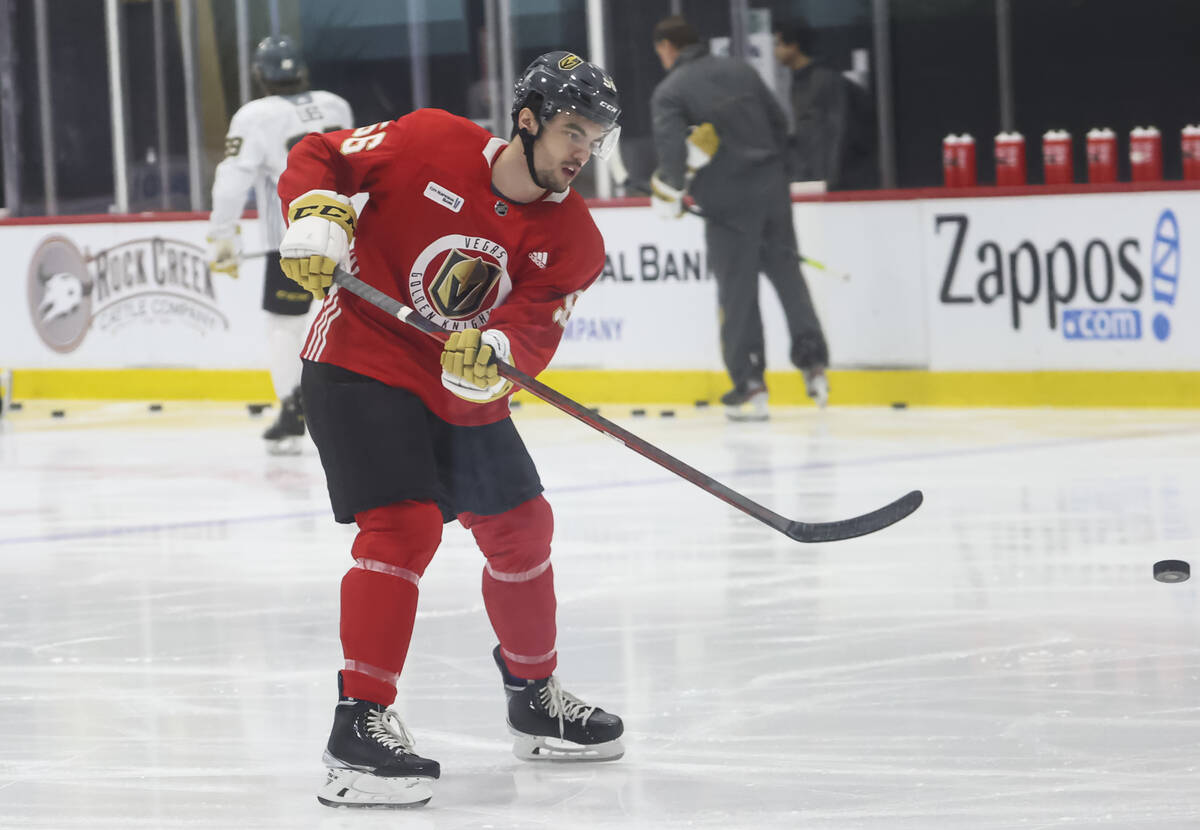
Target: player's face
[(564, 148)]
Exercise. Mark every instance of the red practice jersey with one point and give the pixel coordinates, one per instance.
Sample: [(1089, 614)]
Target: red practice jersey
[(437, 237)]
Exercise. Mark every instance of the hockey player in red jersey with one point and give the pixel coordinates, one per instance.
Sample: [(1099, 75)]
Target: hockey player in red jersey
[(487, 239)]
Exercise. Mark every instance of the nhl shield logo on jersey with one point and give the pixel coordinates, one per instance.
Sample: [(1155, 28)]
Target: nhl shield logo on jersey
[(457, 280)]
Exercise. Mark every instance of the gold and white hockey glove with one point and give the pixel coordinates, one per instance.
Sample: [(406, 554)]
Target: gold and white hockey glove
[(702, 145), (317, 239), (224, 250), (469, 364), (667, 201)]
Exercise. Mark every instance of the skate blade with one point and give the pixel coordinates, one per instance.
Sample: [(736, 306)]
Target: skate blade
[(285, 446), (538, 748), (745, 417), (359, 789), (753, 409)]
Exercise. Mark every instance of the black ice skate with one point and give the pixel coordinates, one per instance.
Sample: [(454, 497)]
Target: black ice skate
[(553, 725), (284, 436), (746, 402), (371, 762)]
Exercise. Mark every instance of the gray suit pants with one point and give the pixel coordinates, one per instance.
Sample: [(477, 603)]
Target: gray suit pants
[(745, 238)]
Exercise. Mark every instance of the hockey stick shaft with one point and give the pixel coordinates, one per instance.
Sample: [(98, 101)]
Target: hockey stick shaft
[(257, 254), (820, 266), (800, 531)]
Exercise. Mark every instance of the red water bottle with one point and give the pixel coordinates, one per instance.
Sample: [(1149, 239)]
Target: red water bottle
[(958, 160), (1190, 143), (1010, 159), (1101, 155), (1058, 164), (966, 159), (951, 173), (1145, 154)]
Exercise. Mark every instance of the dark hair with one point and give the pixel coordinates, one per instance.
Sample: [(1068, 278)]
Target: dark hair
[(795, 32), (676, 30)]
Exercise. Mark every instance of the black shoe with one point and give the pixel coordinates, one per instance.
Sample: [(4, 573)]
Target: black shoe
[(552, 724), (746, 402), (283, 436), (743, 392), (370, 760), (371, 738)]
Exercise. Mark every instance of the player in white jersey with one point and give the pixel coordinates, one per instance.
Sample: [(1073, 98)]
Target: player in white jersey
[(256, 147)]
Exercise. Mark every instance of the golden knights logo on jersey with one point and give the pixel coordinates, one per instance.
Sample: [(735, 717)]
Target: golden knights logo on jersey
[(458, 279), (462, 284)]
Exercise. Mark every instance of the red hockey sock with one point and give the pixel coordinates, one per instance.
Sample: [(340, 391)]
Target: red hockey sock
[(518, 584), (379, 594)]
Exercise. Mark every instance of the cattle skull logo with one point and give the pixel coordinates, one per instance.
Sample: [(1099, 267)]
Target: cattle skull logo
[(59, 288)]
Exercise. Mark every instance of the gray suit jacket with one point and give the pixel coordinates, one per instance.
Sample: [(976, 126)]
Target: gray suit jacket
[(749, 122)]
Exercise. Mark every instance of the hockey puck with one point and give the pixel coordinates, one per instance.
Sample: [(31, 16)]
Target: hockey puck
[(638, 413), (1172, 570), (256, 408), (667, 413), (58, 413), (701, 404), (156, 407), (14, 406), (899, 405)]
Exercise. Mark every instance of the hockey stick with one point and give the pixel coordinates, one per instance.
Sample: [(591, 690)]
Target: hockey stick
[(799, 531), (257, 254)]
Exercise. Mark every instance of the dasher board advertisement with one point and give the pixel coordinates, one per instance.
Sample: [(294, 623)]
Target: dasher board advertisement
[(1063, 282), (655, 304), (128, 294)]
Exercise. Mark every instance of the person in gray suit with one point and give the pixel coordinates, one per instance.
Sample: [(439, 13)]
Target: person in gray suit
[(721, 136)]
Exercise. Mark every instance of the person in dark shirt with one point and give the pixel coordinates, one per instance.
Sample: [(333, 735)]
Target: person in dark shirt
[(833, 138)]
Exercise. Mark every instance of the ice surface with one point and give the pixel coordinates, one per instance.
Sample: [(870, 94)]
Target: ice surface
[(1000, 659)]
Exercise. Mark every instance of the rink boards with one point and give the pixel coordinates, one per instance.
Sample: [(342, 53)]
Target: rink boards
[(1072, 298)]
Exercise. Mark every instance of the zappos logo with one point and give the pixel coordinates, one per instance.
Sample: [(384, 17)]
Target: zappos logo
[(1093, 288), (1102, 324), (1164, 257), (1126, 323)]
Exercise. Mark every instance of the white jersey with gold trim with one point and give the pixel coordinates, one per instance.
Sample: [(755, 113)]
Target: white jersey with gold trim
[(256, 147)]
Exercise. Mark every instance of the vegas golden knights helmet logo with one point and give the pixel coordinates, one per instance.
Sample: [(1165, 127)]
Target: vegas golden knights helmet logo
[(569, 62), (462, 285)]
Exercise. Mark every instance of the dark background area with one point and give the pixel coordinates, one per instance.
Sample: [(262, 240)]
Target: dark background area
[(1077, 64)]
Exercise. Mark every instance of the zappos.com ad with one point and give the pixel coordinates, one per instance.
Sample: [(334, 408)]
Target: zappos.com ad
[(1073, 282)]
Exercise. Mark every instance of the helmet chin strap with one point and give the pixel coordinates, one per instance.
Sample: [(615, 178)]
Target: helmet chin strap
[(527, 141)]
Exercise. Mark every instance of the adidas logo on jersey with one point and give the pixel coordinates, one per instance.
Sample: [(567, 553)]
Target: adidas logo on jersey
[(539, 258)]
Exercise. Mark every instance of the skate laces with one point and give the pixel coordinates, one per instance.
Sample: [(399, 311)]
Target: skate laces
[(385, 726), (562, 704)]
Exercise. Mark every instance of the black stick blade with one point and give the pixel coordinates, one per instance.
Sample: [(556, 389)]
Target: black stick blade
[(859, 525)]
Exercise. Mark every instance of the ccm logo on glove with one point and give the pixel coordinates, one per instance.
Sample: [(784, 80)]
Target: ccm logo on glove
[(317, 240)]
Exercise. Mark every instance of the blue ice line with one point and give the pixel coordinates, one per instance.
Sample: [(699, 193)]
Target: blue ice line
[(808, 465), (92, 533)]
